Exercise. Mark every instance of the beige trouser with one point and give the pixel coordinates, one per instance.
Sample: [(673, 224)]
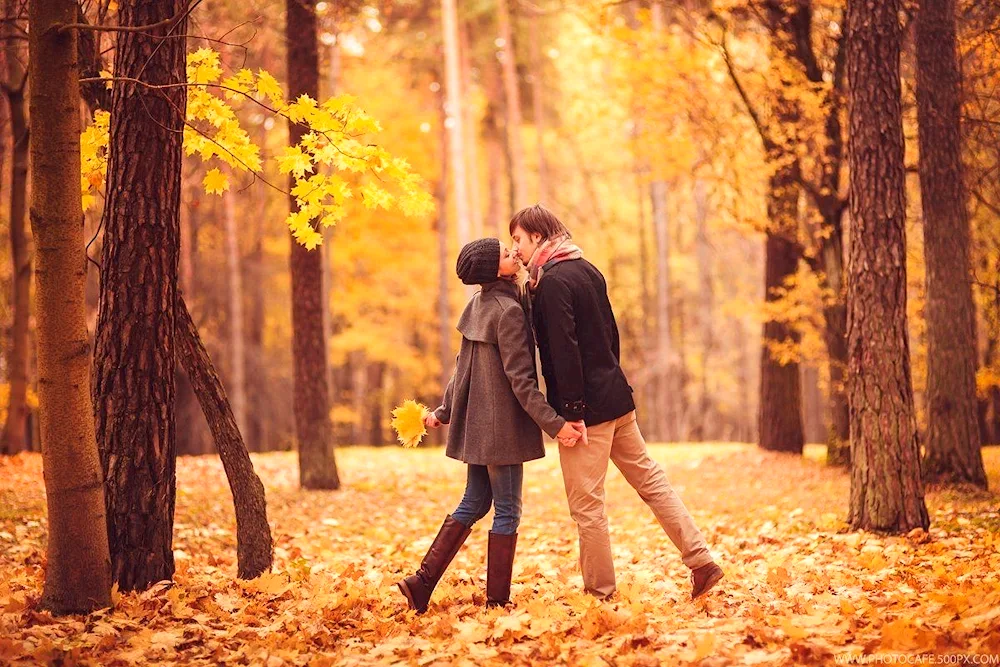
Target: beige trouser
[(584, 467)]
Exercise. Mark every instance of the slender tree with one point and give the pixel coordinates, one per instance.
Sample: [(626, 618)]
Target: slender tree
[(886, 490), (952, 447), (454, 119), (508, 68), (311, 396), (15, 435), (78, 572), (237, 339), (134, 357)]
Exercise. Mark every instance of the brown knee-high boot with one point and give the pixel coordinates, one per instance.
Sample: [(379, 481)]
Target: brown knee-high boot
[(418, 586), (499, 567)]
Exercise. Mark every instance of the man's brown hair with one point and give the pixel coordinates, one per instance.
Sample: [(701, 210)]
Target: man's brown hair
[(538, 220)]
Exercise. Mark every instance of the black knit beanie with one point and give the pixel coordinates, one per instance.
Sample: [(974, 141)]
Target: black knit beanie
[(479, 262)]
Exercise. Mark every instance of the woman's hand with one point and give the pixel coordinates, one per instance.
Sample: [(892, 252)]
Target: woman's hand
[(431, 421), (569, 434)]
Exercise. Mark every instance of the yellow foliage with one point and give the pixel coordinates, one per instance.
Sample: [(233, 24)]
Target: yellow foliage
[(408, 422)]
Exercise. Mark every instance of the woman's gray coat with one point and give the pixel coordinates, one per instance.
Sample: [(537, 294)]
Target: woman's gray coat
[(492, 404)]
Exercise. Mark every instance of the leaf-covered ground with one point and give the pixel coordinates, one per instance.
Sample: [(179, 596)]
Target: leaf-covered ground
[(798, 589)]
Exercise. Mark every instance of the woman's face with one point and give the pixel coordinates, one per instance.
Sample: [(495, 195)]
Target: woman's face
[(509, 265)]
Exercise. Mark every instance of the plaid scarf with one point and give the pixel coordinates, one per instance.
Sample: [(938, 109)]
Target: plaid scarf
[(554, 250)]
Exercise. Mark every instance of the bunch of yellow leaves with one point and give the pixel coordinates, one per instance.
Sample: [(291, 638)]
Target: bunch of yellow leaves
[(408, 422)]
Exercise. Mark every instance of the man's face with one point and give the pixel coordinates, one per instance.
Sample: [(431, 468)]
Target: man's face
[(525, 244)]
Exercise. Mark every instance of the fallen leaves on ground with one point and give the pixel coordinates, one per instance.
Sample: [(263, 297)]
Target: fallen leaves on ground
[(799, 589)]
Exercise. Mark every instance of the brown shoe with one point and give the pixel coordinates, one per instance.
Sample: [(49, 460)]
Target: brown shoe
[(499, 568), (418, 586), (703, 578)]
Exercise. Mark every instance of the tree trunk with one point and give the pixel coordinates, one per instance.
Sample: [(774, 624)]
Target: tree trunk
[(78, 572), (134, 359), (703, 253), (512, 94), (538, 108), (376, 380), (256, 433), (15, 434), (311, 396), (497, 214), (237, 341), (886, 490), (838, 447), (454, 116), (780, 409), (666, 414), (471, 139), (253, 535), (952, 448), (444, 273)]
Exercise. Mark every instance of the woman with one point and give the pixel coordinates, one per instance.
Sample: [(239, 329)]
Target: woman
[(495, 412)]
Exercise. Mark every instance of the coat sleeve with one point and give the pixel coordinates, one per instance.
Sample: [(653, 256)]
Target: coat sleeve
[(554, 304), (514, 341), (443, 412)]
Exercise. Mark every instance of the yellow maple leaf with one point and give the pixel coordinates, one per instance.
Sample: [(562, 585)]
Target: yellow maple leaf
[(408, 422), (215, 182)]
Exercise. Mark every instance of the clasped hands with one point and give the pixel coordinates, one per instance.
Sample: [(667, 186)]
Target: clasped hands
[(570, 434)]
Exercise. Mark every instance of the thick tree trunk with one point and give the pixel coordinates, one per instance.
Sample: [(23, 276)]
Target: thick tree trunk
[(780, 411), (886, 490), (134, 359), (15, 435), (952, 447), (253, 535), (512, 95), (237, 341), (78, 571), (311, 399)]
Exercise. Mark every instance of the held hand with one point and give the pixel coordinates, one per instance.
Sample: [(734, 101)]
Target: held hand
[(581, 426), (569, 434), (431, 421)]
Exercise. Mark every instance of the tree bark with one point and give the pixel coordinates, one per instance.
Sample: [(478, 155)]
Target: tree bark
[(237, 341), (512, 93), (780, 415), (134, 359), (253, 534), (454, 120), (952, 452), (471, 138), (538, 108), (706, 314), (78, 571), (311, 396), (497, 214), (886, 490), (15, 435), (256, 433), (666, 414)]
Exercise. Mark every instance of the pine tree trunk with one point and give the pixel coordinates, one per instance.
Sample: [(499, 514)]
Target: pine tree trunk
[(15, 435), (780, 411), (134, 359), (952, 447), (311, 396), (253, 535), (512, 95), (78, 571), (237, 341), (886, 490)]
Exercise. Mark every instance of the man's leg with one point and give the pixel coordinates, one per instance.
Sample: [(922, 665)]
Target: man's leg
[(584, 467), (628, 451)]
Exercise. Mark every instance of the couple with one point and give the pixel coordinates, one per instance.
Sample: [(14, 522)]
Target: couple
[(494, 410)]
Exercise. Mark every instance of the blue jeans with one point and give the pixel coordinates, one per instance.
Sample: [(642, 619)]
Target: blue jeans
[(492, 485)]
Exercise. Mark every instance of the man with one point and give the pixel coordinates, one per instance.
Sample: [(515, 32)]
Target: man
[(579, 348)]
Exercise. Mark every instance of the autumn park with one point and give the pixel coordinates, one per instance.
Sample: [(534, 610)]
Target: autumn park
[(500, 332)]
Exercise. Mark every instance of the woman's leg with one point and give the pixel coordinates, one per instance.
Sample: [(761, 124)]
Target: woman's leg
[(506, 484), (477, 499)]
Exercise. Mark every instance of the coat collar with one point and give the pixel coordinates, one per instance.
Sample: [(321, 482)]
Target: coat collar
[(502, 286)]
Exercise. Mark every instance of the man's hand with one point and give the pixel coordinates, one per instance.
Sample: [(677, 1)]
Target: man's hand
[(582, 427), (431, 421), (570, 433)]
